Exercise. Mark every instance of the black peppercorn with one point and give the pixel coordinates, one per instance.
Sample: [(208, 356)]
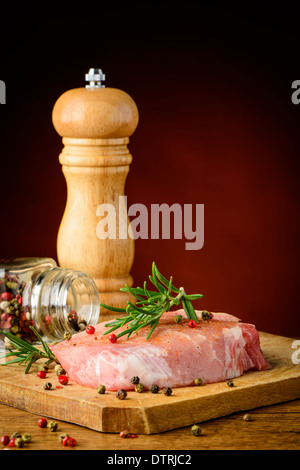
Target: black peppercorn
[(168, 391), (230, 383), (121, 394), (154, 388), (135, 380)]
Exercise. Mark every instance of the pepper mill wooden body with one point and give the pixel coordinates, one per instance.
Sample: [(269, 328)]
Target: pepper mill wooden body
[(96, 123)]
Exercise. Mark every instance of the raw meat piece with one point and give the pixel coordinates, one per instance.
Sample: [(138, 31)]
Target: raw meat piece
[(175, 354)]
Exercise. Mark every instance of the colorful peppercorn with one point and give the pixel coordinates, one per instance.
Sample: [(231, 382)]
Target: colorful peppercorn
[(52, 426), (62, 437), (135, 380), (59, 370), (198, 381), (101, 389), (247, 417), (65, 440), (90, 330), (41, 374), (4, 440), (121, 394), (68, 441), (196, 430), (42, 422), (12, 442), (139, 388), (67, 336), (192, 324), (6, 296), (125, 434), (48, 386), (112, 338), (19, 442), (63, 379), (72, 442), (154, 388), (26, 437), (206, 315)]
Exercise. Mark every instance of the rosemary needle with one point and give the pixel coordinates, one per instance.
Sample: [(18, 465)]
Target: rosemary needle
[(150, 305), (25, 352)]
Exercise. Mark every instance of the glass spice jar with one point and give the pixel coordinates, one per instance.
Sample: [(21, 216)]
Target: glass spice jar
[(36, 292)]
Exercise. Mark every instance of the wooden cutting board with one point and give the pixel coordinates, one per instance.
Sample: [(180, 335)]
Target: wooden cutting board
[(145, 413)]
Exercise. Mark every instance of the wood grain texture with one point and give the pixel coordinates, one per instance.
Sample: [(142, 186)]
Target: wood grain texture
[(96, 125), (275, 427), (147, 413)]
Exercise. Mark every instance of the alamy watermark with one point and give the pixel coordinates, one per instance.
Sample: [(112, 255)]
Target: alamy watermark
[(188, 222), (2, 92), (296, 354)]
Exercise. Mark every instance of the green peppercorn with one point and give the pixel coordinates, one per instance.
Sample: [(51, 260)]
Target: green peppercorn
[(154, 388), (52, 426), (205, 315), (230, 383), (135, 380), (48, 386), (121, 394), (26, 437), (139, 388), (15, 435), (198, 381), (101, 389), (67, 335), (178, 318), (168, 391), (19, 442), (44, 367), (196, 430)]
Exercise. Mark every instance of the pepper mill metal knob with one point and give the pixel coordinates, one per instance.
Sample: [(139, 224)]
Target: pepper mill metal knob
[(95, 123)]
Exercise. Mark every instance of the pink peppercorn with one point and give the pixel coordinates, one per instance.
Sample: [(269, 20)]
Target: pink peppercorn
[(12, 442), (41, 374), (63, 379), (5, 440), (42, 422), (90, 330), (112, 338)]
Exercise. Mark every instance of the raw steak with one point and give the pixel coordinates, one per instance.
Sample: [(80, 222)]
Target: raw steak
[(175, 354)]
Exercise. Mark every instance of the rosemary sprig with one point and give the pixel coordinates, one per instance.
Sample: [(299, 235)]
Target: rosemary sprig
[(151, 305), (25, 352)]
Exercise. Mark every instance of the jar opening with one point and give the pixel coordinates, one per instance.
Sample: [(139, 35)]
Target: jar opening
[(64, 301)]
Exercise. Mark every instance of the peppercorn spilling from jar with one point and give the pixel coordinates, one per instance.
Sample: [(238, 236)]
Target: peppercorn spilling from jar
[(56, 302), (15, 317)]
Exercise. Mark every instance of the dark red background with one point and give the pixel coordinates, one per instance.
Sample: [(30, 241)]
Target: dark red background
[(217, 126)]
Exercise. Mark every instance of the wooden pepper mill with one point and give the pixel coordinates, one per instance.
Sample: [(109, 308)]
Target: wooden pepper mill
[(95, 123)]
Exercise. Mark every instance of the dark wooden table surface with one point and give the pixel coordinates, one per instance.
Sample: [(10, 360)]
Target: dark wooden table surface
[(274, 427)]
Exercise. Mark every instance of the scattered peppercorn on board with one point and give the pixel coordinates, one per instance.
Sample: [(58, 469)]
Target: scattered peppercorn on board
[(147, 413)]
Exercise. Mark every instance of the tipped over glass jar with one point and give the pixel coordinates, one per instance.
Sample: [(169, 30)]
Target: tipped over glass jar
[(55, 301)]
